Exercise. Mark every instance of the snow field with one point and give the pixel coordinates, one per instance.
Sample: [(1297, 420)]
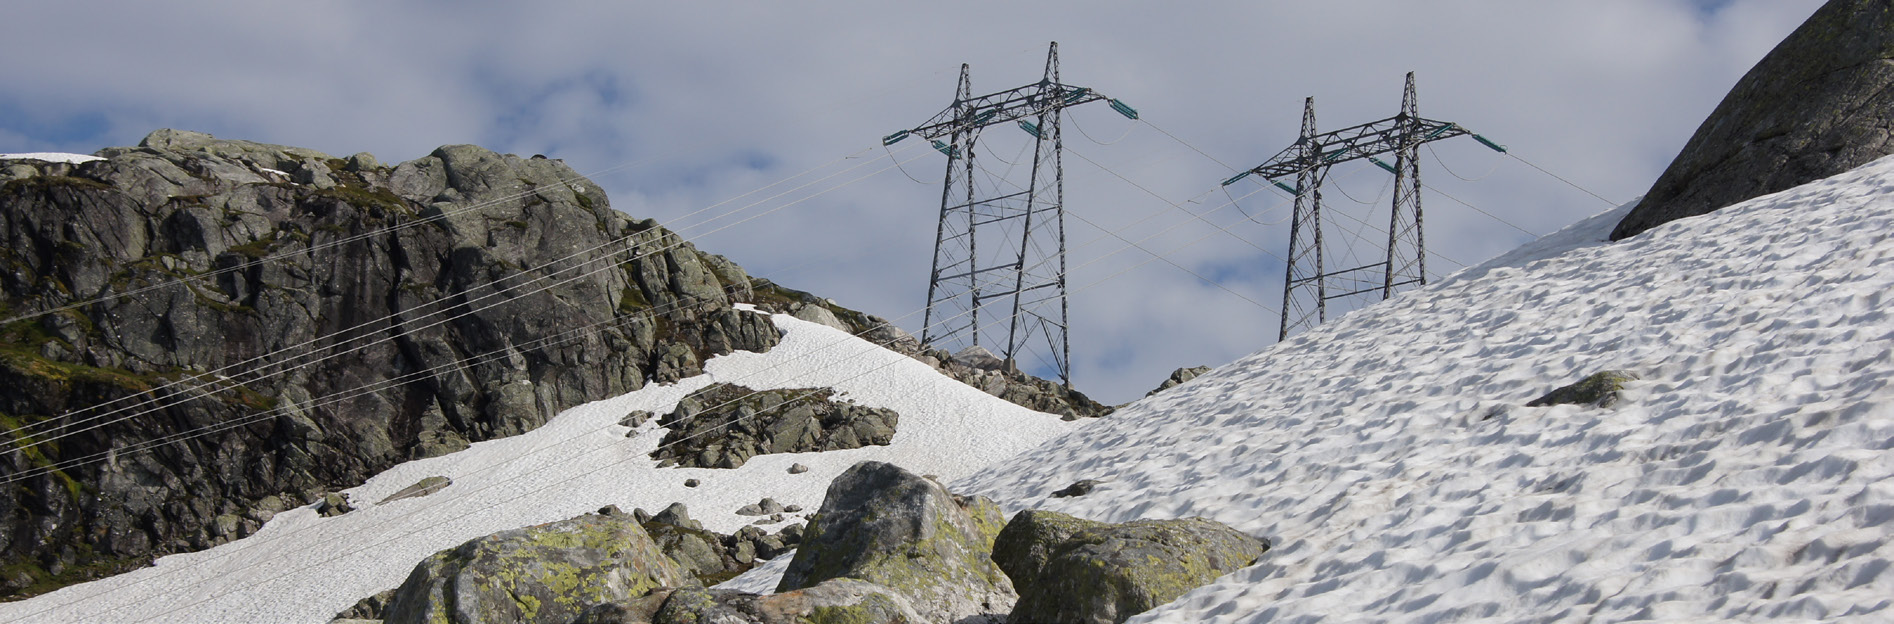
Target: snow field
[(303, 568), (51, 157), (1388, 455)]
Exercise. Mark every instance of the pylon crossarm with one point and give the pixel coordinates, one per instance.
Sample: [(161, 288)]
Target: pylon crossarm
[(1354, 143), (1031, 100)]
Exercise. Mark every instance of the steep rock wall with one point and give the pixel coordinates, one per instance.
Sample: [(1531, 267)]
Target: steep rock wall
[(307, 321)]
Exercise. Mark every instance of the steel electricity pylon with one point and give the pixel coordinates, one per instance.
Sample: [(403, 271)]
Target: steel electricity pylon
[(1310, 283), (999, 273)]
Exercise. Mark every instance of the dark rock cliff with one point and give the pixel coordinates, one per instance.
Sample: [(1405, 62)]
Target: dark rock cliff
[(241, 327), (1820, 103)]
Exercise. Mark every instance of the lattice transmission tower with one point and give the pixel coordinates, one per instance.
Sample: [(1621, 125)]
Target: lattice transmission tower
[(999, 273), (1309, 283)]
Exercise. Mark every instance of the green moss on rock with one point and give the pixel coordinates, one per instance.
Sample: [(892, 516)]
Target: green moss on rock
[(1599, 389)]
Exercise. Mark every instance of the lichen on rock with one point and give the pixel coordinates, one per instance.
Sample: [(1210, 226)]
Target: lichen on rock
[(1074, 570), (884, 525), (550, 573)]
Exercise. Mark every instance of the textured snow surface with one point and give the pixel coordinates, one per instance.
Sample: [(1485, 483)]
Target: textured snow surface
[(303, 568), (1390, 457), (56, 157)]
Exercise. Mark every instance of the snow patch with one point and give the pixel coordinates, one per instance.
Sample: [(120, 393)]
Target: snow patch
[(51, 157)]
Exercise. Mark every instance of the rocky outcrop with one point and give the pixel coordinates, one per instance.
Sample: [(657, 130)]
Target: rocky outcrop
[(1178, 377), (890, 527), (1598, 390), (240, 295), (978, 368), (1820, 103), (550, 573), (1073, 570), (724, 425)]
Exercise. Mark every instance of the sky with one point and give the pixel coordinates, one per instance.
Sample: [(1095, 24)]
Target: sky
[(678, 107)]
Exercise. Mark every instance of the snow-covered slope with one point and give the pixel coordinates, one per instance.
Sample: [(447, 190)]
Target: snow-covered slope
[(1389, 456), (57, 157), (303, 568)]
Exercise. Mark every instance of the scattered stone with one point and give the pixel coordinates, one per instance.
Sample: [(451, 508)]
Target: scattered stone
[(634, 418), (421, 488), (1178, 377), (1598, 390), (885, 525), (691, 483), (679, 515), (546, 573), (792, 508), (798, 469), (609, 510), (1080, 488), (820, 315), (363, 161), (267, 507), (1073, 570), (979, 357), (724, 425), (334, 504)]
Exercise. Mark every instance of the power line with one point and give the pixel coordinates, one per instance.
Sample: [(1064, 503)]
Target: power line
[(1561, 179)]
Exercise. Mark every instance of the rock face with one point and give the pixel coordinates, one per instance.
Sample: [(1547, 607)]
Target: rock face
[(724, 425), (549, 573), (252, 288), (1819, 104), (1073, 570), (890, 527)]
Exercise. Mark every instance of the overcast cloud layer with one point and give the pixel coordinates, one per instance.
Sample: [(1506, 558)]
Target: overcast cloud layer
[(676, 106)]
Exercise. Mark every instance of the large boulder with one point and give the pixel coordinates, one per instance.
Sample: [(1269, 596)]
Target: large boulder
[(893, 528), (1820, 103), (548, 573), (1073, 570)]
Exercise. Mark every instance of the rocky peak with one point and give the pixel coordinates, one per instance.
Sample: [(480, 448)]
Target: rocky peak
[(1820, 103)]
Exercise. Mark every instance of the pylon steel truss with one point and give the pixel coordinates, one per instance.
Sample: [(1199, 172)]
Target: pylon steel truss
[(1309, 284), (999, 273)]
